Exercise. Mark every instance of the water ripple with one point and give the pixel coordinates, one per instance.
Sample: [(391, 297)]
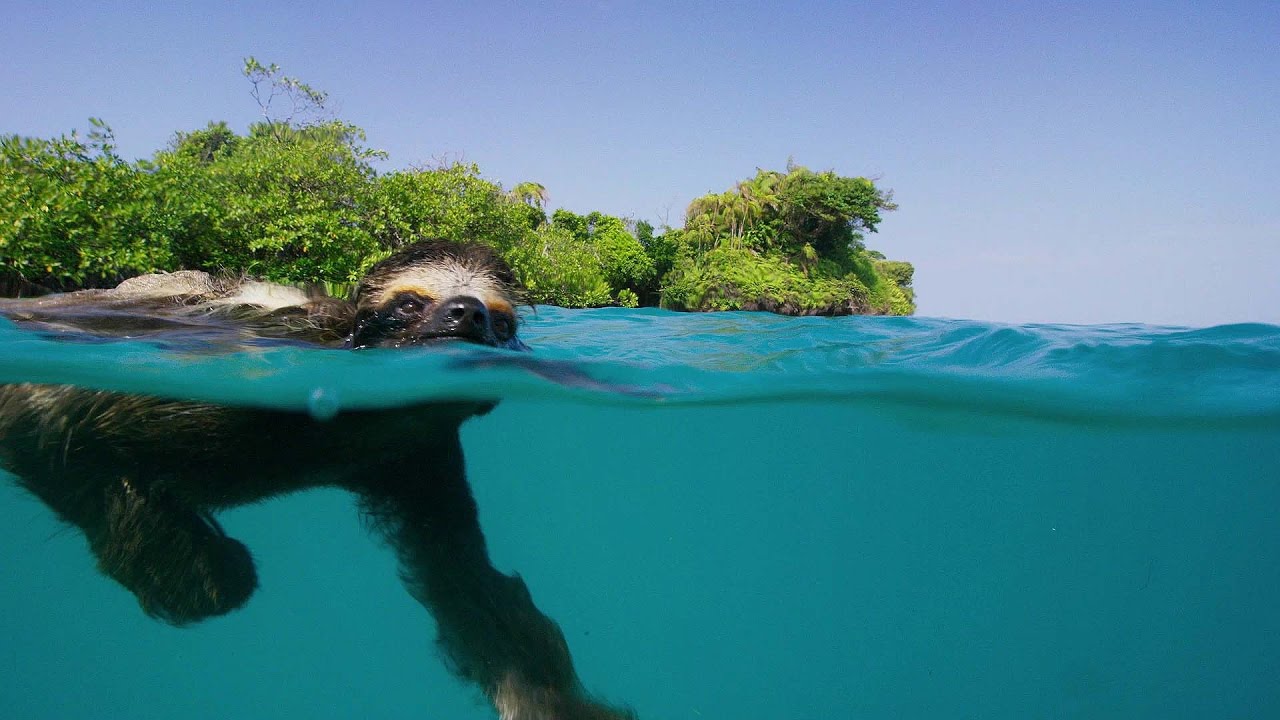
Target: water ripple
[(1104, 374)]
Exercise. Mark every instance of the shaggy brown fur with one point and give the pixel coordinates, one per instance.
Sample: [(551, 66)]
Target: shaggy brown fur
[(142, 476)]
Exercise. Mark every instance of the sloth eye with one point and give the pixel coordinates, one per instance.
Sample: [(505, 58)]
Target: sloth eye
[(409, 307), (503, 328)]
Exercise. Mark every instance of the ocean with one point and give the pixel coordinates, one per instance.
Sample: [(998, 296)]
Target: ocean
[(740, 516)]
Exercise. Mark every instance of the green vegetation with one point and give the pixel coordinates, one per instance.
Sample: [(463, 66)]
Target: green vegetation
[(73, 214), (789, 242), (297, 199)]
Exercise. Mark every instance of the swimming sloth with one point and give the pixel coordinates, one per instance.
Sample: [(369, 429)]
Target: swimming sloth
[(142, 477)]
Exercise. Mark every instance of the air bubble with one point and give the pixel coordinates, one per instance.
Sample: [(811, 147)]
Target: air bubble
[(323, 404)]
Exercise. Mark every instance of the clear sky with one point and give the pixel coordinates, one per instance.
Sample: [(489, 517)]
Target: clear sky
[(1054, 162)]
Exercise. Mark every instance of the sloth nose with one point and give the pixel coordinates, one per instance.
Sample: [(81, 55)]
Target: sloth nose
[(465, 317)]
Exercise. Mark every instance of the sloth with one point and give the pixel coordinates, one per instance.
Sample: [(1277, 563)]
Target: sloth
[(142, 477)]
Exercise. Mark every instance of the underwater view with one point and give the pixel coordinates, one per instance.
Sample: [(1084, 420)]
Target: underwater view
[(739, 515)]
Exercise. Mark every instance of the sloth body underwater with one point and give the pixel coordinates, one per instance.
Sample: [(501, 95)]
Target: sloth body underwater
[(141, 476)]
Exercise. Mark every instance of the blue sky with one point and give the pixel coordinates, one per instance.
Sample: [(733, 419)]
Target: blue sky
[(1064, 162)]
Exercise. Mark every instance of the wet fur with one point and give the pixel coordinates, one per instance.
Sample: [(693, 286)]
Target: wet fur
[(142, 477)]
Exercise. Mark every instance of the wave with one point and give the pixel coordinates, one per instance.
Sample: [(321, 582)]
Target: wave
[(1107, 374)]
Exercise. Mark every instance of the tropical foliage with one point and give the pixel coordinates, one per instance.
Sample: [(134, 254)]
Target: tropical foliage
[(788, 242), (297, 198), (72, 213)]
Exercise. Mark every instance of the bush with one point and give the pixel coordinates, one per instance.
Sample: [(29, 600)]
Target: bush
[(741, 279), (451, 202), (623, 260), (558, 268), (75, 215), (283, 207), (302, 203)]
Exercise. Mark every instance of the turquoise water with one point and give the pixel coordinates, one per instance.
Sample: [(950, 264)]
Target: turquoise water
[(772, 518)]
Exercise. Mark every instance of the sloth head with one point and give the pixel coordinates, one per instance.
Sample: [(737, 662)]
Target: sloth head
[(436, 290)]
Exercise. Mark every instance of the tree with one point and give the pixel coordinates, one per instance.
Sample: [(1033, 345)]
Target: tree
[(777, 211), (533, 196), (623, 259), (296, 198), (789, 242), (284, 204), (558, 267), (304, 104), (585, 261), (827, 211), (450, 201), (74, 214), (530, 193), (205, 145)]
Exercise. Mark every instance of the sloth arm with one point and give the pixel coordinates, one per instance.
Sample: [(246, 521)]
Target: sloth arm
[(561, 372), (67, 447), (490, 631), (176, 560)]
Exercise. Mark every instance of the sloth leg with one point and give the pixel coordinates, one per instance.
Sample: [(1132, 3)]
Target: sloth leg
[(178, 562), (490, 631)]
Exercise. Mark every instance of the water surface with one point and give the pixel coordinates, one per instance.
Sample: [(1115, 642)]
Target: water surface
[(766, 517)]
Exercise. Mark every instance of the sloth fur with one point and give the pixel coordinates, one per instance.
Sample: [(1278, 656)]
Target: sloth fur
[(142, 476)]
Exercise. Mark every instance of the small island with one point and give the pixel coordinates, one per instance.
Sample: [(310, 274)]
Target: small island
[(297, 199)]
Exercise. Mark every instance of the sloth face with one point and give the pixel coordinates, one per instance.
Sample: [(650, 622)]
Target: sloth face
[(436, 291)]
